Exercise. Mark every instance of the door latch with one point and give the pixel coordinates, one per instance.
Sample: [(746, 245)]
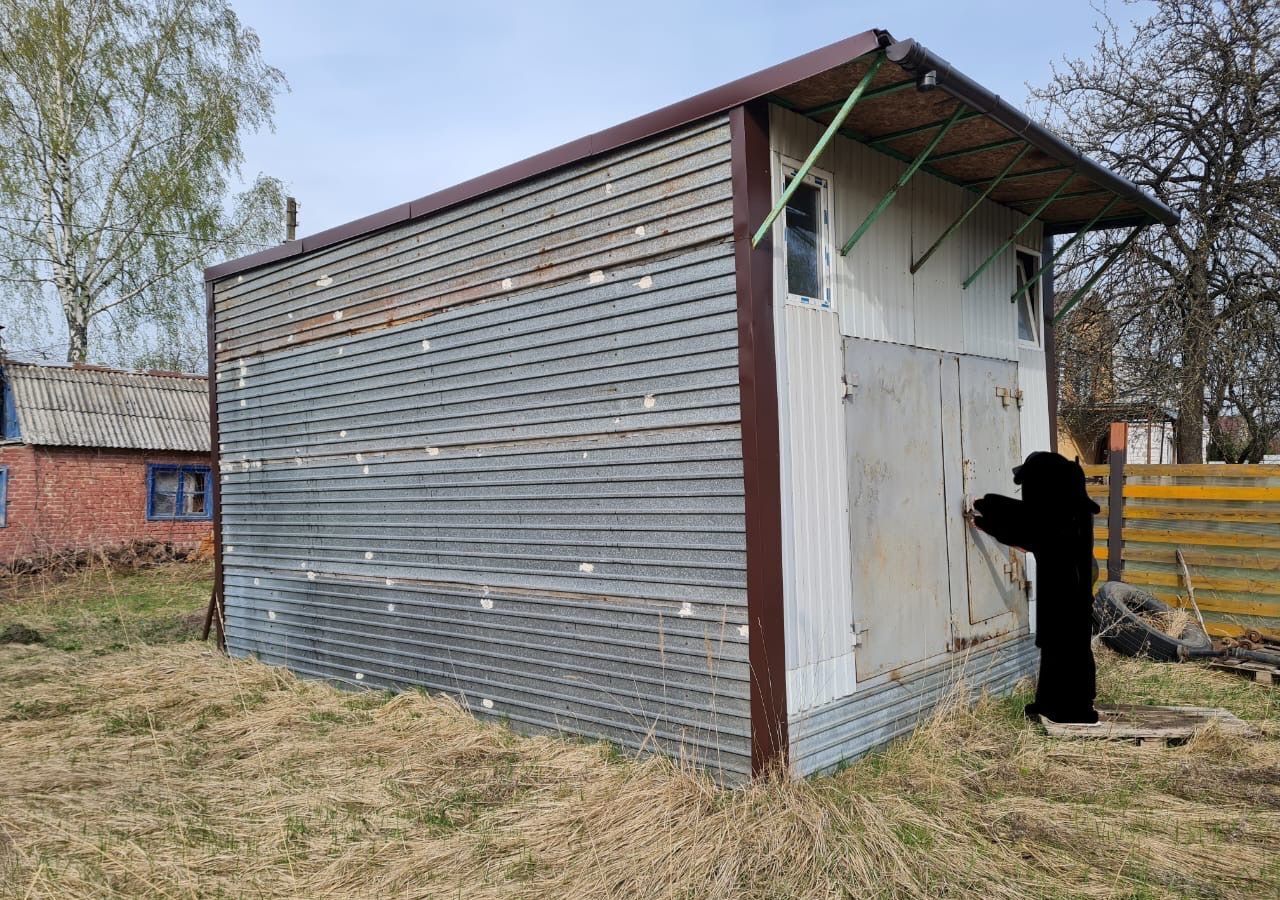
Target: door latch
[(1003, 394)]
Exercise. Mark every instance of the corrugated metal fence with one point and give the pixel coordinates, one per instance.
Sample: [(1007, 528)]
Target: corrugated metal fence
[(1226, 521)]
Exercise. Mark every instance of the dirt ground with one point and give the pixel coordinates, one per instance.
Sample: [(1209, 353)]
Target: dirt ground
[(138, 763)]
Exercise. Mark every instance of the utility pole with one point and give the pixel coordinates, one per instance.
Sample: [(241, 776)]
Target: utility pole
[(290, 219)]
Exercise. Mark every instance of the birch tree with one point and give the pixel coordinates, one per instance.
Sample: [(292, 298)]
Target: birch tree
[(120, 137), (1187, 105)]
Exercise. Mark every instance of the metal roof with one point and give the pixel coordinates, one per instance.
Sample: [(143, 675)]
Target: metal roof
[(92, 406), (975, 152)]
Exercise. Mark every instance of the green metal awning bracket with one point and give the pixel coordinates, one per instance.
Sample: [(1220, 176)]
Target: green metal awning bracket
[(902, 180), (1026, 286), (981, 148), (918, 129), (818, 149), (884, 91), (951, 229), (1031, 217), (1093, 279), (1029, 174)]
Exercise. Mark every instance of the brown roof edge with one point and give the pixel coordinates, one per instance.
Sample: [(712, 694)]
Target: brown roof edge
[(708, 103)]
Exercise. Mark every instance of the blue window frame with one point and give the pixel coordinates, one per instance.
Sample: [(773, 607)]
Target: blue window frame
[(4, 496), (179, 492)]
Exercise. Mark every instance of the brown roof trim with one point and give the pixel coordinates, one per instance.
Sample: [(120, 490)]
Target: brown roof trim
[(708, 103)]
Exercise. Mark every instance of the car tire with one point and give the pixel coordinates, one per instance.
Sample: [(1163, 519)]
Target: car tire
[(1119, 617)]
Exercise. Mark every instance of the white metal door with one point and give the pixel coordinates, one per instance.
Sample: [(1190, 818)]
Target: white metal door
[(897, 512), (990, 447)]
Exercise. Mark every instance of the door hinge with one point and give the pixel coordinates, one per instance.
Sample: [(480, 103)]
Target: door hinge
[(847, 384), (1017, 394), (859, 634)]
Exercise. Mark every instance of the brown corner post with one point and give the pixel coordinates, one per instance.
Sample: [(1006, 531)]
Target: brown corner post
[(1117, 450), (758, 391), (216, 613), (1050, 347)]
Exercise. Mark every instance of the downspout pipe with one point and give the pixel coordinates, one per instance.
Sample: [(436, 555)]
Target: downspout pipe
[(916, 59)]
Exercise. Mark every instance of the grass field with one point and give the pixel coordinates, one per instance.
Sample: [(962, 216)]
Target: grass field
[(137, 763)]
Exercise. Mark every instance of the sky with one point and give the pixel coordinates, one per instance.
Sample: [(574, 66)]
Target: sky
[(390, 101)]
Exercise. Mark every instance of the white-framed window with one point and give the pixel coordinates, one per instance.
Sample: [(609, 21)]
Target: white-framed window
[(1030, 311), (806, 243)]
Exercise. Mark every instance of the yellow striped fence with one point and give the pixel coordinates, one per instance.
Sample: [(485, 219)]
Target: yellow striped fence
[(1224, 519)]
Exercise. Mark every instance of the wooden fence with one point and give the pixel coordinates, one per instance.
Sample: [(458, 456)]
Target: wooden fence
[(1224, 519)]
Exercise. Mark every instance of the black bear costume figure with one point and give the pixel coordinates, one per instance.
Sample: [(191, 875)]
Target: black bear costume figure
[(1054, 522)]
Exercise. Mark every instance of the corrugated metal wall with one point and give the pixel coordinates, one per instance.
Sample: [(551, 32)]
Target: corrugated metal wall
[(890, 709), (496, 453), (876, 293), (878, 298), (816, 503)]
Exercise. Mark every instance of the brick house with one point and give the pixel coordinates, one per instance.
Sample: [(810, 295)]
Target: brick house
[(95, 457)]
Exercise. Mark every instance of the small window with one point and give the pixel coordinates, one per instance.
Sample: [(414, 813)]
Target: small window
[(178, 492), (807, 248), (4, 496), (1029, 321)]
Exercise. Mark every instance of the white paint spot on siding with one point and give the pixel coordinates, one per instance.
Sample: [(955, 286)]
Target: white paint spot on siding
[(219, 347), (486, 603), (650, 401), (290, 315), (484, 589), (487, 703), (390, 583), (359, 676), (595, 277), (324, 281), (257, 464), (506, 284), (297, 460), (240, 383), (686, 610), (742, 630), (586, 567), (289, 340), (366, 470), (311, 576), (337, 314), (640, 230), (391, 607), (242, 403), (256, 582), (645, 283), (426, 345), (584, 454), (368, 554), (271, 614), (231, 549), (608, 187), (239, 279), (359, 457), (433, 451), (342, 350), (342, 434)]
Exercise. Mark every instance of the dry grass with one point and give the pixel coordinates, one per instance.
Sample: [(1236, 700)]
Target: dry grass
[(170, 771)]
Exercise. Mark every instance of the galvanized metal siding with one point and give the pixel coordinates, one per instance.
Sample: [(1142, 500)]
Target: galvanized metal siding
[(75, 406), (889, 708), (533, 502), (876, 293), (650, 199), (819, 595)]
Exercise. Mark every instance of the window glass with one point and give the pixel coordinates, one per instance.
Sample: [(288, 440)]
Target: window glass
[(803, 227), (164, 493), (1028, 300), (193, 493)]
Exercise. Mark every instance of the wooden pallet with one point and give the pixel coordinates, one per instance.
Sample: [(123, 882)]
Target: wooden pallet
[(1150, 726), (1259, 672)]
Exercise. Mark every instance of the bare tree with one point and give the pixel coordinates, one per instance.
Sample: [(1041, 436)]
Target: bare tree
[(120, 132), (1189, 108)]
